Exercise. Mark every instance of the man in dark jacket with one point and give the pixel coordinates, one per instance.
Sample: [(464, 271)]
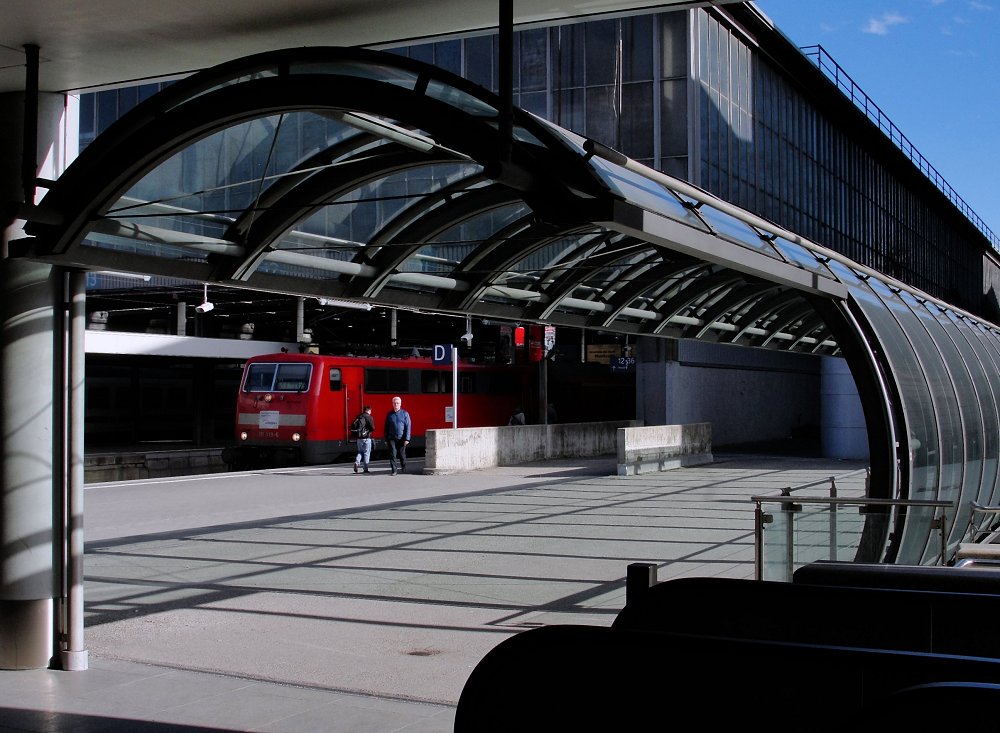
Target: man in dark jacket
[(363, 428), (397, 434)]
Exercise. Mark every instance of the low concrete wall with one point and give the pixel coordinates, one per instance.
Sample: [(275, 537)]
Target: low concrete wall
[(469, 449), (662, 447), (134, 465)]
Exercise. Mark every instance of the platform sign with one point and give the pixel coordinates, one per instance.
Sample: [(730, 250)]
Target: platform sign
[(622, 363), (603, 353), (536, 336), (442, 354), (549, 340)]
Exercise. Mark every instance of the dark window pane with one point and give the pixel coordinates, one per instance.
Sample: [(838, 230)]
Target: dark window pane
[(479, 61), (602, 122), (535, 102), (424, 52), (569, 55), (673, 119), (637, 42), (602, 49), (674, 42), (107, 110), (87, 115), (637, 120), (569, 109), (532, 60), (448, 56)]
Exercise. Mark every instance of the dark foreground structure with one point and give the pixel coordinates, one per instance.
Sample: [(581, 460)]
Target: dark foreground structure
[(715, 651)]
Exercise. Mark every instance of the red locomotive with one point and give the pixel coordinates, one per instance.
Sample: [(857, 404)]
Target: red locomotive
[(297, 408)]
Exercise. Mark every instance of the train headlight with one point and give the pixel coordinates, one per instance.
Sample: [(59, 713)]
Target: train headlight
[(267, 397), (244, 436), (296, 437)]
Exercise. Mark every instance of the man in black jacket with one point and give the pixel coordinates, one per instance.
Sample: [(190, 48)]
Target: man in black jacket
[(363, 428)]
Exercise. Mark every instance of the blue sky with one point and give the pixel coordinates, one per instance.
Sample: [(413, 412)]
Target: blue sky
[(932, 66)]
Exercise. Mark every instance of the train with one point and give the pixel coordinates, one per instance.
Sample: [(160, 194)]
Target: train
[(296, 409)]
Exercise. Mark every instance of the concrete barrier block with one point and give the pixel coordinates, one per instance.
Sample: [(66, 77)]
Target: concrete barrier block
[(656, 448), (470, 449)]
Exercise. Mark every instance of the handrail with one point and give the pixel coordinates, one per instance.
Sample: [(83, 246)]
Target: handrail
[(833, 71), (973, 529), (832, 479), (794, 504)]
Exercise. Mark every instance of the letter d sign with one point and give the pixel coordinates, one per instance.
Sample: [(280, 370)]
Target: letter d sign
[(442, 354)]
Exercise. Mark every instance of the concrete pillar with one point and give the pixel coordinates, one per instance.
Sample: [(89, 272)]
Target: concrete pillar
[(655, 380), (843, 430), (33, 474)]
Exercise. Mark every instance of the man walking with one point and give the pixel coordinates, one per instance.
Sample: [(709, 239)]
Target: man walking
[(397, 435), (363, 428)]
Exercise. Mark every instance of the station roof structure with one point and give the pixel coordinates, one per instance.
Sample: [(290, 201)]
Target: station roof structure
[(86, 44), (422, 191)]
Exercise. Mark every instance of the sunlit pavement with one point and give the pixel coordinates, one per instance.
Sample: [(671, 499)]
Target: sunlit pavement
[(319, 599)]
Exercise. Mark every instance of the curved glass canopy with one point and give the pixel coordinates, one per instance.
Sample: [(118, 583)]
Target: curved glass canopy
[(365, 176)]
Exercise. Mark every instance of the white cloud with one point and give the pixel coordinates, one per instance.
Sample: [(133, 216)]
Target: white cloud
[(880, 26), (979, 5)]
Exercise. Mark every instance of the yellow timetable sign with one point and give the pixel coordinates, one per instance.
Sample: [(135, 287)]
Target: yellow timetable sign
[(603, 353)]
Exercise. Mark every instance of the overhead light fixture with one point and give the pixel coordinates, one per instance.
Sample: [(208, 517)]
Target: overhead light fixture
[(205, 306), (337, 303), (126, 275)]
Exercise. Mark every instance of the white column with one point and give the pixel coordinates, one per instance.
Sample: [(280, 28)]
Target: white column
[(34, 476)]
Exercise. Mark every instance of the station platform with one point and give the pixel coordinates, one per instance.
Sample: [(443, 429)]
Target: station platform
[(317, 599)]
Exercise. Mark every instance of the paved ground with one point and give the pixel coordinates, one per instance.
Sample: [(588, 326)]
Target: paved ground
[(320, 600)]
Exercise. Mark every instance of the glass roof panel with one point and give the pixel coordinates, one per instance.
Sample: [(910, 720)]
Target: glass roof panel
[(382, 72), (801, 256), (455, 243), (643, 192), (343, 226), (461, 99), (731, 228)]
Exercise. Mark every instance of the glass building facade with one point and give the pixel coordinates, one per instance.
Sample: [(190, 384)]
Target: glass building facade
[(688, 93)]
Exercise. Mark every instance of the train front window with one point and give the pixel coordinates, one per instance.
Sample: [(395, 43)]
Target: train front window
[(278, 378)]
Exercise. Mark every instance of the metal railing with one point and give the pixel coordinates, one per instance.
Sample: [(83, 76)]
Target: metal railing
[(833, 71), (810, 528), (984, 523)]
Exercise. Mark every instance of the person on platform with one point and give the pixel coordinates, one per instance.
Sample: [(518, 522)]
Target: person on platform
[(363, 429), (398, 428), (517, 417)]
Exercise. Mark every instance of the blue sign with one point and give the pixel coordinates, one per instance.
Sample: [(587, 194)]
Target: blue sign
[(622, 363), (442, 354)]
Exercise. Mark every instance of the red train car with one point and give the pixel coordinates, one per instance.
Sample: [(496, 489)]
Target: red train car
[(297, 408)]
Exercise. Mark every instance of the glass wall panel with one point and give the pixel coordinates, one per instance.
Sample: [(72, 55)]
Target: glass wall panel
[(916, 401), (928, 402), (988, 347), (981, 471), (962, 447)]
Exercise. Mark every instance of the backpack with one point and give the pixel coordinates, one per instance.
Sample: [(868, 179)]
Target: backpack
[(359, 428)]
